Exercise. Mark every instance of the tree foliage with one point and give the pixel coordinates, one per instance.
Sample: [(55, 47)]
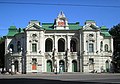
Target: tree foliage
[(115, 30), (2, 52)]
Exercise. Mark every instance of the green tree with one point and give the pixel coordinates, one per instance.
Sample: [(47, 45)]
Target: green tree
[(115, 32), (2, 52)]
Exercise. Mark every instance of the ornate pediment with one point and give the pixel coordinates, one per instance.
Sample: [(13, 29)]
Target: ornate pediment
[(86, 27), (90, 27), (33, 27)]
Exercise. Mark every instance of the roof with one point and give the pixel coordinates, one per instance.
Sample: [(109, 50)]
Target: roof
[(104, 31), (12, 27), (12, 31), (50, 26), (103, 28), (90, 21), (47, 26), (106, 34), (72, 26)]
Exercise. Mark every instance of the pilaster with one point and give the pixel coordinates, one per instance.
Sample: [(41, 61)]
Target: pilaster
[(42, 43)]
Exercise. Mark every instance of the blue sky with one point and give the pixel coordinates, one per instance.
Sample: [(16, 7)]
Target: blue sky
[(20, 14)]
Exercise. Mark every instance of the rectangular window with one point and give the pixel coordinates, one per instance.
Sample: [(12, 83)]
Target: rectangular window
[(34, 47), (91, 47)]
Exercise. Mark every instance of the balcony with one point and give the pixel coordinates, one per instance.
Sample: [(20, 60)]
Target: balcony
[(107, 54), (48, 55), (73, 55), (61, 53), (16, 54)]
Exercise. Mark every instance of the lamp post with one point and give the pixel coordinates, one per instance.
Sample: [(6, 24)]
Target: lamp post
[(66, 58), (54, 61), (23, 61)]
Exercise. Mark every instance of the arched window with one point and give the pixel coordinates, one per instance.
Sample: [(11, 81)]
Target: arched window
[(61, 45), (12, 47), (18, 46), (73, 45), (48, 45), (101, 46), (106, 47)]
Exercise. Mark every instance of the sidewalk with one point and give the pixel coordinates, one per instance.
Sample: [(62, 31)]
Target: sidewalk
[(64, 73), (67, 73)]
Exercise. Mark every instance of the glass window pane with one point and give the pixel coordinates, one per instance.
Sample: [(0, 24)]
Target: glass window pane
[(101, 46), (18, 46), (34, 47), (106, 47), (91, 49)]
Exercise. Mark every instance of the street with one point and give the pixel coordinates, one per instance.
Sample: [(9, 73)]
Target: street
[(50, 78)]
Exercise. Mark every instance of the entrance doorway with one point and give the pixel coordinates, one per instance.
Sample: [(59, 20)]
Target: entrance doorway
[(49, 66), (16, 66), (61, 66), (74, 66), (107, 66)]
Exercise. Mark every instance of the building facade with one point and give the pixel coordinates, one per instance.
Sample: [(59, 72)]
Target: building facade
[(58, 47)]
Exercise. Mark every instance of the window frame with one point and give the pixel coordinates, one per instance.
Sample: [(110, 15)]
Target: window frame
[(91, 47), (106, 47), (34, 47)]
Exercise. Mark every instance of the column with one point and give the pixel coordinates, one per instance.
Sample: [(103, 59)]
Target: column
[(111, 40), (84, 43), (55, 49), (69, 64), (100, 58), (68, 44), (12, 67), (68, 55), (42, 43), (20, 65), (97, 42), (81, 55), (28, 43), (55, 44)]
